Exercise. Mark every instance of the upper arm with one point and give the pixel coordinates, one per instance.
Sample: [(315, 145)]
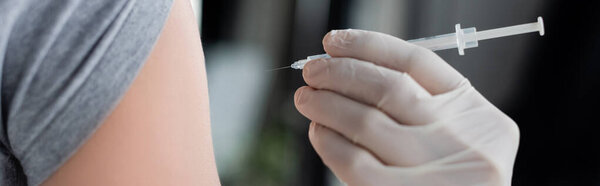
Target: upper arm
[(159, 133)]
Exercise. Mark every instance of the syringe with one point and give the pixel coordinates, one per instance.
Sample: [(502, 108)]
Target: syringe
[(462, 39)]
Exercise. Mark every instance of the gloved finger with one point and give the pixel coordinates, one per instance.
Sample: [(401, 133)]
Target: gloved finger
[(428, 69), (394, 92), (350, 163), (372, 129), (348, 117)]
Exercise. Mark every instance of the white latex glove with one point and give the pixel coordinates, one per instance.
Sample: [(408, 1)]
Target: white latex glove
[(386, 112)]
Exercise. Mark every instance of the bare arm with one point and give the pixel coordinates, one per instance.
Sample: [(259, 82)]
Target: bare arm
[(159, 134)]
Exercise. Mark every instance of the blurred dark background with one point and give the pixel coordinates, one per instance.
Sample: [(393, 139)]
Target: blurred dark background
[(549, 85)]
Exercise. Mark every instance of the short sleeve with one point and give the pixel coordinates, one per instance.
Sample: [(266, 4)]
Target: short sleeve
[(65, 65)]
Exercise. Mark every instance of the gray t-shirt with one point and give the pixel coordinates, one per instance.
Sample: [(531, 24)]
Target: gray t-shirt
[(65, 64)]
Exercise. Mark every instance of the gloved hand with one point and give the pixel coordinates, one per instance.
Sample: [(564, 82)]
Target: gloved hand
[(387, 112)]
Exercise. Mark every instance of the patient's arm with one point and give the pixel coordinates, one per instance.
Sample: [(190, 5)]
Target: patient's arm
[(159, 133)]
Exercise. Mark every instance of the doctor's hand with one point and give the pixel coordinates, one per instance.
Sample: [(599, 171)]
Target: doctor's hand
[(387, 112)]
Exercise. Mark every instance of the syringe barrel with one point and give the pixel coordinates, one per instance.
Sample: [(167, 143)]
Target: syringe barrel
[(462, 39), (439, 42)]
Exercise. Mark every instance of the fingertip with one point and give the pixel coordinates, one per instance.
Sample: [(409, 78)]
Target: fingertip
[(311, 130), (307, 69), (327, 37), (326, 41), (337, 41), (316, 133), (312, 69), (299, 97), (331, 34)]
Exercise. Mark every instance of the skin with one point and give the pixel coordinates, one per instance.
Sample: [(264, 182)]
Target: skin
[(159, 133)]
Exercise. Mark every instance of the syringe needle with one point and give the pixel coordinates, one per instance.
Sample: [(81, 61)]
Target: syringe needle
[(278, 68)]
